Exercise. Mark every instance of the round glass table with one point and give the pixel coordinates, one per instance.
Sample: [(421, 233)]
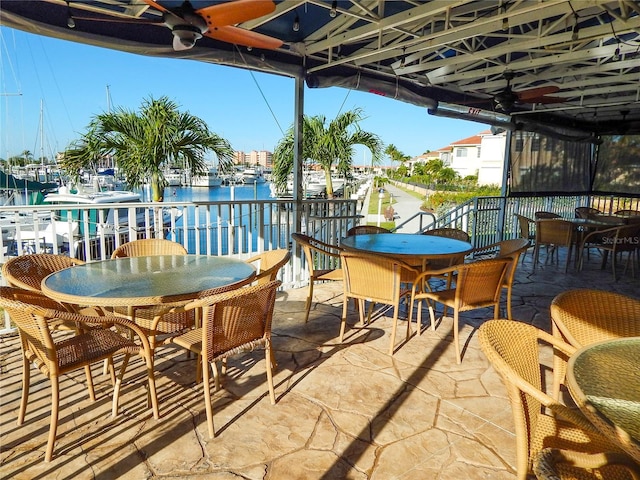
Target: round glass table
[(428, 247), (144, 281), (604, 380)]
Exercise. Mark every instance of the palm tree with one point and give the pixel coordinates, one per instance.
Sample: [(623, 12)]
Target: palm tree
[(331, 146), (145, 143)]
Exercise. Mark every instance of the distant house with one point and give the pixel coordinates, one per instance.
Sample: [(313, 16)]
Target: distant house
[(481, 155), (465, 155)]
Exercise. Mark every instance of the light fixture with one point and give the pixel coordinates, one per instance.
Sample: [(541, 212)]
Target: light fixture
[(334, 9), (616, 55), (296, 23), (71, 23)]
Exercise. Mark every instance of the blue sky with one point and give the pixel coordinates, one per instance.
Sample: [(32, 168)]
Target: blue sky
[(249, 109)]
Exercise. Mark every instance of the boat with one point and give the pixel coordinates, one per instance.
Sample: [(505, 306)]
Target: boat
[(105, 219), (251, 176), (174, 178), (209, 179)]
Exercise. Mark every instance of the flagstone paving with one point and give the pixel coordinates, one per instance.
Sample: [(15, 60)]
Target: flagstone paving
[(343, 410)]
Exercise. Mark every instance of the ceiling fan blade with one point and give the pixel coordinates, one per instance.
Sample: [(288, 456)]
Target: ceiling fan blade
[(238, 11), (525, 95), (118, 20), (157, 6), (545, 100), (243, 37)]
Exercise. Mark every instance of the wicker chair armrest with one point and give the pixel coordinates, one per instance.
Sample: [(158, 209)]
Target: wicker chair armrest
[(106, 320), (600, 233), (557, 343), (545, 461)]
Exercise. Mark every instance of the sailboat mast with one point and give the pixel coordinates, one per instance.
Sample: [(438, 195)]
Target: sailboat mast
[(42, 160)]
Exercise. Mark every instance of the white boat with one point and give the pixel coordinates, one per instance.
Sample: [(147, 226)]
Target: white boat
[(102, 220), (251, 176), (174, 178), (209, 179)]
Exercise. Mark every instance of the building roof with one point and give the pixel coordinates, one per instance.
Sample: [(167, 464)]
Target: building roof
[(475, 140)]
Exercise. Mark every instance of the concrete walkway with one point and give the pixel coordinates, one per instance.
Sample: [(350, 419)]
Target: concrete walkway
[(405, 206), (345, 410)]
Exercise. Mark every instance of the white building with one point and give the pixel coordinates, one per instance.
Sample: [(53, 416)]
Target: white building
[(481, 155)]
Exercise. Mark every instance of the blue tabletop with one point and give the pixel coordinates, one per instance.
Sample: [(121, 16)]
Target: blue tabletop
[(406, 244)]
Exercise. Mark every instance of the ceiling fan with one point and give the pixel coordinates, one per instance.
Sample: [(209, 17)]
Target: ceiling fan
[(216, 21), (506, 99)]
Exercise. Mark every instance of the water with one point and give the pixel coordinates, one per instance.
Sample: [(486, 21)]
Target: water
[(242, 219), (258, 191)]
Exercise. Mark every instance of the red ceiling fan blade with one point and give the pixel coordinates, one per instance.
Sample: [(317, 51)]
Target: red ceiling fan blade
[(545, 100), (525, 95), (238, 11), (243, 37)]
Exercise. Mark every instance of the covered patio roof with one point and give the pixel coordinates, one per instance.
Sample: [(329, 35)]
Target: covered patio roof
[(574, 64)]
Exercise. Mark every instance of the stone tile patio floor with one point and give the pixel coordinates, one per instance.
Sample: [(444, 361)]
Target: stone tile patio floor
[(343, 410)]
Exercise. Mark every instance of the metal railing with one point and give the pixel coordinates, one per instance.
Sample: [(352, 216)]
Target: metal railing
[(247, 227)]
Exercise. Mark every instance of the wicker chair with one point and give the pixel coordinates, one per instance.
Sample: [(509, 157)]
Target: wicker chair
[(554, 464), (55, 356), (527, 230), (28, 271), (233, 322), (376, 279), (455, 233), (366, 229), (617, 240), (545, 215), (513, 348), (586, 212), (148, 247), (478, 285), (512, 248), (269, 263), (553, 233), (323, 262), (584, 316)]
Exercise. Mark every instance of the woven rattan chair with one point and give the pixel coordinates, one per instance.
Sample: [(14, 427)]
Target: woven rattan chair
[(232, 323), (586, 212), (28, 271), (555, 464), (553, 234), (455, 233), (375, 279), (615, 240), (268, 264), (148, 247), (56, 355), (584, 316), (513, 349), (366, 229), (158, 320), (527, 230), (512, 248), (323, 263), (478, 285)]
